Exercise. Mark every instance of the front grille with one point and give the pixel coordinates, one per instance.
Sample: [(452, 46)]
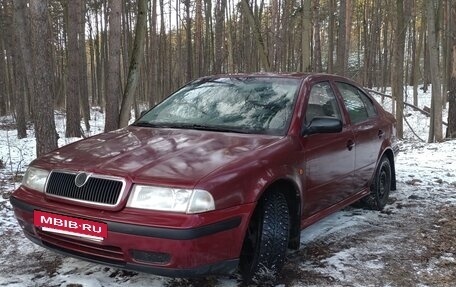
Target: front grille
[(97, 189)]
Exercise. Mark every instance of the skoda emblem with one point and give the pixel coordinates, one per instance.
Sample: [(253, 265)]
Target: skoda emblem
[(81, 179)]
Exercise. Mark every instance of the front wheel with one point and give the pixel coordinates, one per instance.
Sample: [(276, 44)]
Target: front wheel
[(381, 186), (266, 240)]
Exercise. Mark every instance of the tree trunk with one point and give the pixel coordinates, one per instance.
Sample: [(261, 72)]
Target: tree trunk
[(386, 60), (257, 32), (305, 39), (199, 37), (451, 130), (189, 41), (341, 40), (445, 39), (19, 78), (83, 80), (332, 9), (73, 126), (153, 85), (219, 35), (46, 136), (19, 91), (397, 75), (22, 28), (230, 40), (348, 29), (317, 38), (113, 87), (135, 63), (209, 39), (93, 65), (417, 58), (3, 96), (435, 132), (274, 38)]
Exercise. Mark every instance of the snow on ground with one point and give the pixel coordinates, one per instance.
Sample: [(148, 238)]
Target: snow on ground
[(411, 243)]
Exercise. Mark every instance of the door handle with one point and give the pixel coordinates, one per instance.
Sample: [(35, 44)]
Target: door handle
[(380, 134), (350, 144)]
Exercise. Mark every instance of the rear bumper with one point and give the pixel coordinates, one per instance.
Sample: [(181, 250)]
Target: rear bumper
[(176, 252)]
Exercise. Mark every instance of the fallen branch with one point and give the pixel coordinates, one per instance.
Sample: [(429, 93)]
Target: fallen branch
[(405, 103)]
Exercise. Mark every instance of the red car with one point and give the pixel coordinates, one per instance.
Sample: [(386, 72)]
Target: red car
[(221, 175)]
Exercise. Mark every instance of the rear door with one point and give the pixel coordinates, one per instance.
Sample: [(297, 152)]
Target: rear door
[(328, 158), (367, 129)]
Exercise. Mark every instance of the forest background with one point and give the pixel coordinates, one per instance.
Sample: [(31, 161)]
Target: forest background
[(71, 55)]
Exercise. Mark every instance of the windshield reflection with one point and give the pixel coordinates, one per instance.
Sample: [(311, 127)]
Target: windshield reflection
[(245, 105)]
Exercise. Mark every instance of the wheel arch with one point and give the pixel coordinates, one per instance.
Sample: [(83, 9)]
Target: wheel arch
[(388, 153), (293, 197)]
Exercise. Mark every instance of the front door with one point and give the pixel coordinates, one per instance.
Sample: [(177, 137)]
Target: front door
[(329, 158)]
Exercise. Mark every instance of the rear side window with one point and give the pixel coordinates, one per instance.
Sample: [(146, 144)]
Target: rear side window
[(322, 102), (359, 106)]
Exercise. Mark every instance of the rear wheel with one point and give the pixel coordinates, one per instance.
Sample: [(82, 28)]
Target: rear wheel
[(381, 186), (266, 240)]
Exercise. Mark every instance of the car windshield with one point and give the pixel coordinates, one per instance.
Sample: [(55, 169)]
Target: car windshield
[(261, 105)]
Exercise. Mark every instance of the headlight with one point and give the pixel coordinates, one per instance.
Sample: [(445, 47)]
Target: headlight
[(171, 199), (35, 178)]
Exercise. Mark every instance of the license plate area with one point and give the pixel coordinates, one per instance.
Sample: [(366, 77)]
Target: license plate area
[(71, 226)]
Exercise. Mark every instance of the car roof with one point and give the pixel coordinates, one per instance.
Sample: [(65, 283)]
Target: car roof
[(296, 75)]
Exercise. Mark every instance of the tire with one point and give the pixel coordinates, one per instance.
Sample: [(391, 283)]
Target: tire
[(380, 187), (266, 240)]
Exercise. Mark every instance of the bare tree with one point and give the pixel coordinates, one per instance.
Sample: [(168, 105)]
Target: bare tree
[(332, 21), (341, 61), (135, 64), (219, 39), (451, 130), (3, 96), (18, 78), (306, 32), (83, 79), (189, 40), (397, 74), (153, 49), (113, 83), (317, 36), (198, 37), (73, 126), (22, 27), (43, 111), (435, 132), (255, 26)]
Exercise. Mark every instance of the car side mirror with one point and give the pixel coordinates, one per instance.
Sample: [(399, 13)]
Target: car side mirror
[(320, 125)]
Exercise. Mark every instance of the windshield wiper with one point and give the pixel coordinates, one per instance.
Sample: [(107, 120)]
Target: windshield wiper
[(144, 124), (211, 128), (193, 127)]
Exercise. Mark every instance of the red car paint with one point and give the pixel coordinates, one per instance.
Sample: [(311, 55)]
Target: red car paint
[(328, 171)]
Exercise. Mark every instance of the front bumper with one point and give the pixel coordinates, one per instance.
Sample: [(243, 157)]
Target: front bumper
[(201, 249)]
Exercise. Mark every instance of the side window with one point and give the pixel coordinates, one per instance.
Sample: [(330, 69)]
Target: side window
[(322, 103), (359, 106)]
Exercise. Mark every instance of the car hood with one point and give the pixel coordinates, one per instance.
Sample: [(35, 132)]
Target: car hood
[(155, 155)]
